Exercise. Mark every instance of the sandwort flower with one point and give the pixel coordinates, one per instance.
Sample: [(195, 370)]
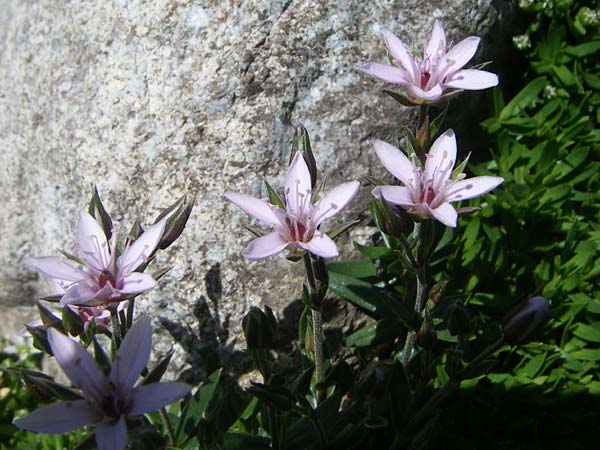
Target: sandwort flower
[(101, 277), (428, 191), (426, 75), (107, 400), (296, 226)]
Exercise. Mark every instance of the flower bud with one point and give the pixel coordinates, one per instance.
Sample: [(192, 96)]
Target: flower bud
[(259, 328), (458, 319), (97, 211), (301, 143), (423, 136), (523, 320), (390, 219), (179, 214), (426, 335)]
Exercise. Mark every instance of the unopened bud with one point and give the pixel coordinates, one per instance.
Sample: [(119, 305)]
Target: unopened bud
[(437, 290), (97, 211), (179, 214), (301, 143), (259, 328), (426, 335), (423, 135), (390, 219), (458, 319), (522, 321)]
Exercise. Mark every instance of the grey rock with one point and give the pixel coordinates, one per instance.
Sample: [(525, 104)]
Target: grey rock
[(150, 100)]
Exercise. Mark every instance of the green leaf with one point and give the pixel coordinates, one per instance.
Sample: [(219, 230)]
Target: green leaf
[(372, 252), (376, 302), (589, 333), (357, 268), (586, 354), (194, 409), (523, 99), (273, 197), (534, 365), (581, 50), (385, 330)]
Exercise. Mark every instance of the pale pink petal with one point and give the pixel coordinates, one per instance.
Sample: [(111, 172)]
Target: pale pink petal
[(399, 52), (78, 365), (398, 195), (446, 214), (437, 41), (82, 293), (472, 187), (258, 209), (59, 418), (333, 201), (396, 162), (440, 159), (265, 246), (320, 245), (111, 436), (472, 79), (136, 283), (56, 267), (429, 96), (297, 185), (132, 356), (386, 73), (461, 53), (138, 252), (145, 399), (92, 242)]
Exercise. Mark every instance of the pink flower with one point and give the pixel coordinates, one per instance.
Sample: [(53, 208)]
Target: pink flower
[(101, 277), (425, 76), (296, 226), (428, 191), (107, 400)]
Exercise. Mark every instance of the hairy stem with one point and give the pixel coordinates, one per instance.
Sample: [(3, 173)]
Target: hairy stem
[(116, 326), (421, 295), (317, 325)]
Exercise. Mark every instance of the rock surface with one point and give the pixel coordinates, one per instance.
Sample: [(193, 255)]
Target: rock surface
[(153, 99)]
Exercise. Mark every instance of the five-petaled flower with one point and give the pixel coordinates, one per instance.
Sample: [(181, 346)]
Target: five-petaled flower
[(425, 76), (107, 400), (296, 226), (101, 277), (428, 191)]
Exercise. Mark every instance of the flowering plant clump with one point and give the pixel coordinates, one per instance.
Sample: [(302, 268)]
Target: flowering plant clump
[(107, 400), (428, 191), (426, 281), (296, 223), (429, 75)]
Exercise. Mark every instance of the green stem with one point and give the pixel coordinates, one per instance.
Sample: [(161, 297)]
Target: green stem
[(116, 326), (169, 428), (130, 307), (421, 295), (317, 325)]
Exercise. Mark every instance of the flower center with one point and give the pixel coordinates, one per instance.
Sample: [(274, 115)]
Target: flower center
[(427, 195), (107, 277), (113, 407), (297, 232), (425, 76)]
